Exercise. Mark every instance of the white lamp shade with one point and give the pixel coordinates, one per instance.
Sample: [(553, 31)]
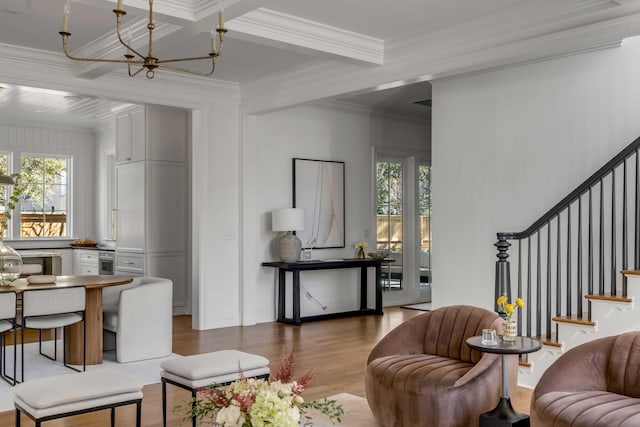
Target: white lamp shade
[(289, 219)]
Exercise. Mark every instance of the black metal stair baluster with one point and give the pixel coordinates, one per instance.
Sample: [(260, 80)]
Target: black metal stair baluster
[(614, 281), (538, 289), (568, 302), (558, 271), (548, 310), (520, 290), (601, 243), (590, 249), (529, 284), (625, 228), (636, 243), (579, 272)]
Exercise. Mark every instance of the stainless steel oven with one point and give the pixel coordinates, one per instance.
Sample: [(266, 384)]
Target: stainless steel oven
[(105, 262)]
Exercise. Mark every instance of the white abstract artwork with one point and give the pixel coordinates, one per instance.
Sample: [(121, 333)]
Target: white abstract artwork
[(318, 188)]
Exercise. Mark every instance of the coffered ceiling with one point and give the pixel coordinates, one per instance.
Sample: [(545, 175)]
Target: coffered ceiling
[(347, 48)]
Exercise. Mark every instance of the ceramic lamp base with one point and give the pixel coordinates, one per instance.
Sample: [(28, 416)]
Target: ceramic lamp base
[(289, 247)]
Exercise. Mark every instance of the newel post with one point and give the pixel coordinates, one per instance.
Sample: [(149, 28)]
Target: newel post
[(503, 272)]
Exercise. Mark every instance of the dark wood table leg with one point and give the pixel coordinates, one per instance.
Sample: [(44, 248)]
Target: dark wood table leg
[(296, 297), (282, 279), (363, 288), (378, 288)]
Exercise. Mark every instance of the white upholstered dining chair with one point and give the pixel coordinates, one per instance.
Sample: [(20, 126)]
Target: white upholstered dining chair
[(8, 323), (140, 314), (52, 309)]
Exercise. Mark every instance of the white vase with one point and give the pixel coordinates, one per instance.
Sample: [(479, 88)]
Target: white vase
[(10, 264)]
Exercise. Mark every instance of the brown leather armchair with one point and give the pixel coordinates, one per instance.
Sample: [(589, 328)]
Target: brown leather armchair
[(596, 384), (423, 373)]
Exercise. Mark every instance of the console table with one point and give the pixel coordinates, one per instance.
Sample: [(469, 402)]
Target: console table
[(296, 267)]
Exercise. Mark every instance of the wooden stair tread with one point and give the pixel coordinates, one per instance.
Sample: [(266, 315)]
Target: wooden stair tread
[(609, 297), (578, 319), (631, 272), (552, 340)]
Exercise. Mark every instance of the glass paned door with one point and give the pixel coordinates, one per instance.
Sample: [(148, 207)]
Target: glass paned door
[(424, 216), (389, 221)]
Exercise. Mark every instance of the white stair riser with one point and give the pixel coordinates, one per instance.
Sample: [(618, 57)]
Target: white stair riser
[(611, 318)]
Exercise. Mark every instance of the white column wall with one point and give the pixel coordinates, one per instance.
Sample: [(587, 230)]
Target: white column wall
[(322, 132), (509, 144)]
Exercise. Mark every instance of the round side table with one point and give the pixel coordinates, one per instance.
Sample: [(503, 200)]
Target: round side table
[(504, 415)]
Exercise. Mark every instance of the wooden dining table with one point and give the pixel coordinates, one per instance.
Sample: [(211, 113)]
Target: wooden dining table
[(93, 312)]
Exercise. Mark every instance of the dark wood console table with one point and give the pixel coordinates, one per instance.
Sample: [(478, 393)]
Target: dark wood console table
[(296, 267)]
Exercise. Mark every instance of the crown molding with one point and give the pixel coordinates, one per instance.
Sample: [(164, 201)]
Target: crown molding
[(349, 107), (37, 68), (283, 29), (329, 80)]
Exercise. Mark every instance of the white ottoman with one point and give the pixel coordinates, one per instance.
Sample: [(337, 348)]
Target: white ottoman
[(72, 394), (200, 370)]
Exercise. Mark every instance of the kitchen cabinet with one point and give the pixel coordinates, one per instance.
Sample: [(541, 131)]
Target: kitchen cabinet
[(128, 264), (151, 198), (130, 211), (85, 262), (130, 135)]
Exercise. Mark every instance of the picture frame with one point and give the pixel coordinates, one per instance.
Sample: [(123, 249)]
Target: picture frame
[(319, 188)]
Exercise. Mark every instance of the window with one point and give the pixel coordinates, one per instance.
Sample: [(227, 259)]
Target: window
[(424, 214), (45, 202), (389, 223), (4, 168)]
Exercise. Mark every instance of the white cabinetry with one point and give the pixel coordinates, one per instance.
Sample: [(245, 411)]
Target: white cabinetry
[(85, 262), (130, 221), (151, 197), (130, 135)]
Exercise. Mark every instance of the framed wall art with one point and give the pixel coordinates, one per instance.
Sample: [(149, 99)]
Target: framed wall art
[(318, 188)]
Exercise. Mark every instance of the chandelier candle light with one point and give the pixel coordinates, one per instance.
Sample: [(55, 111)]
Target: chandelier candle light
[(147, 62)]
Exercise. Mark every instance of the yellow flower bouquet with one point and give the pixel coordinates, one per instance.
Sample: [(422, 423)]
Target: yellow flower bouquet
[(510, 328), (508, 309)]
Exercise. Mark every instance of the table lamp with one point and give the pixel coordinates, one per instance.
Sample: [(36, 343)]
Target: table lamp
[(289, 220)]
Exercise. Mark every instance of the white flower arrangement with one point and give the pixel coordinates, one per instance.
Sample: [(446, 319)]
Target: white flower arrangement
[(362, 245), (250, 402)]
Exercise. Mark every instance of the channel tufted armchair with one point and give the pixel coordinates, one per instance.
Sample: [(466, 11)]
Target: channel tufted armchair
[(423, 373), (596, 384)]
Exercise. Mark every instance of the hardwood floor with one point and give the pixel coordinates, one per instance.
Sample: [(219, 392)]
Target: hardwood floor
[(337, 349)]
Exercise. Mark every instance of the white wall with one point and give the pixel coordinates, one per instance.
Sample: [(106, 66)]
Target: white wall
[(80, 143), (509, 144), (322, 132)]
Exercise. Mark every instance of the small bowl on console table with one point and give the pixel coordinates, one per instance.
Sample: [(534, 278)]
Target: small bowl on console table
[(378, 255)]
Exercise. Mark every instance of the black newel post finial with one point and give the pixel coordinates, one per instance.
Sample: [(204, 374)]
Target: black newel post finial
[(503, 272)]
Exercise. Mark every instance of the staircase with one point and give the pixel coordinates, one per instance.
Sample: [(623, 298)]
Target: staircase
[(578, 266), (610, 315)]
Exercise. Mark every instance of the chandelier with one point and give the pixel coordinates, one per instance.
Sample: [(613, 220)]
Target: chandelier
[(148, 62)]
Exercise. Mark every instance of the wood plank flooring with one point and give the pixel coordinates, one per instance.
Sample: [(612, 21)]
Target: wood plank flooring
[(336, 348)]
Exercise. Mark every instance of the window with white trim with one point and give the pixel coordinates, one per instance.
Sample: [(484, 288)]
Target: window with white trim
[(45, 203)]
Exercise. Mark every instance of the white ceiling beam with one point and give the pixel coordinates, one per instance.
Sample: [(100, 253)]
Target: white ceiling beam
[(271, 28)]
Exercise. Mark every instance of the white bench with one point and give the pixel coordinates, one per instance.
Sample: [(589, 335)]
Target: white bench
[(200, 370), (62, 396)]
